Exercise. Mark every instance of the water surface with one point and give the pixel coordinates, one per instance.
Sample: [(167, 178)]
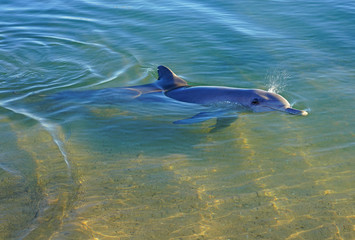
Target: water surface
[(89, 167)]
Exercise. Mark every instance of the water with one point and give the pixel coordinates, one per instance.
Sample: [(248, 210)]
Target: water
[(109, 168)]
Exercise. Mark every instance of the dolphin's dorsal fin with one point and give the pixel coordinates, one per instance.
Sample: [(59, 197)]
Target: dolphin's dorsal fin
[(168, 80)]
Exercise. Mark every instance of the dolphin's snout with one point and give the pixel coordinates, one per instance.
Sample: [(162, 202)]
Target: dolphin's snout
[(304, 113), (296, 111)]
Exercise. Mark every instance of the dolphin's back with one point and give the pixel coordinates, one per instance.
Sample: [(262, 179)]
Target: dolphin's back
[(208, 94)]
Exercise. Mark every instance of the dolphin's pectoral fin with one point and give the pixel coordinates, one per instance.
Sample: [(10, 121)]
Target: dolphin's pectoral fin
[(200, 117), (223, 122)]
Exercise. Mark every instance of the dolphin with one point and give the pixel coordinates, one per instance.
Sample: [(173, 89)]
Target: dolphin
[(256, 100)]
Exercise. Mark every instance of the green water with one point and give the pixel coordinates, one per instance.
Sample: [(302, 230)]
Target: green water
[(107, 167)]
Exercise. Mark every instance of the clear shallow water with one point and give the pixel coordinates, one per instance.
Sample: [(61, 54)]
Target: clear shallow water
[(108, 168)]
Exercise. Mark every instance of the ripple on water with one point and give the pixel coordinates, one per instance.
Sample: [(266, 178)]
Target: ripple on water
[(96, 166)]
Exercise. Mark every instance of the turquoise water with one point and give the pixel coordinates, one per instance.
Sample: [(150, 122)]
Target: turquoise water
[(106, 167)]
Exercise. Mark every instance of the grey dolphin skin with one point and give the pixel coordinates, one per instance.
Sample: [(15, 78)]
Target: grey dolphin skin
[(254, 99)]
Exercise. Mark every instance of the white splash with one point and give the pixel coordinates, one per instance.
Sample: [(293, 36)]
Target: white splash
[(277, 81)]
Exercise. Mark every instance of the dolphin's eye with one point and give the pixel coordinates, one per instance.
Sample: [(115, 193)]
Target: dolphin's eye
[(255, 101)]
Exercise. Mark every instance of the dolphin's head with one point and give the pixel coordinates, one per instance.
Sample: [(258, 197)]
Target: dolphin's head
[(263, 101)]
